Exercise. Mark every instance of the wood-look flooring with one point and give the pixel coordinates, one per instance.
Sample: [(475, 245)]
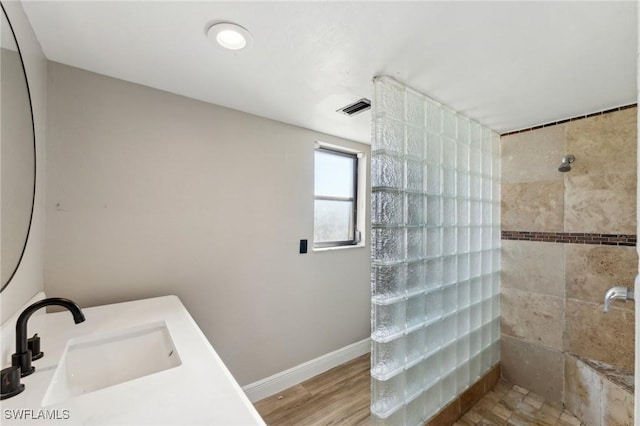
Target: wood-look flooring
[(340, 396)]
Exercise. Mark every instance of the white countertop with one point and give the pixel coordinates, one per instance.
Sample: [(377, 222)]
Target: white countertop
[(199, 391)]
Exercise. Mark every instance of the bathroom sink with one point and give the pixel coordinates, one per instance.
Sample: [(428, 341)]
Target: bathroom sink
[(96, 362)]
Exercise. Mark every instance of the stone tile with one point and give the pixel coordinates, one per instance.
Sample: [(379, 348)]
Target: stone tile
[(533, 206), (603, 204), (583, 387), (536, 318), (592, 334), (591, 270), (570, 419), (538, 369), (533, 266), (602, 141), (617, 405), (543, 150)]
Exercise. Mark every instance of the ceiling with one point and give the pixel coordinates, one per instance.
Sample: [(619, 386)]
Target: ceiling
[(508, 65)]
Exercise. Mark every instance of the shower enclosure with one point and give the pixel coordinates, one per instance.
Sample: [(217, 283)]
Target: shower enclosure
[(435, 254)]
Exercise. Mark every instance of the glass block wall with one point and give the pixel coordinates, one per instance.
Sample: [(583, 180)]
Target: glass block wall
[(435, 254)]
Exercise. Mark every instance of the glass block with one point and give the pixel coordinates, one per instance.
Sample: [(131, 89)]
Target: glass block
[(475, 160), (448, 154), (486, 213), (495, 306), (387, 359), (434, 245), (433, 273), (487, 286), (474, 264), (463, 241), (388, 207), (462, 207), (388, 281), (415, 209), (463, 266), (434, 305), (434, 180), (495, 214), (415, 311), (449, 270), (485, 359), (433, 336), (433, 210), (449, 299), (485, 336), (495, 353), (416, 343), (416, 115), (415, 381), (463, 185), (475, 131), (449, 124), (449, 358), (487, 187), (462, 157), (397, 417), (390, 136), (462, 321), (390, 97), (475, 187), (388, 244), (487, 163), (474, 342), (449, 387), (449, 240), (496, 240), (415, 411), (448, 211), (415, 277), (464, 292), (475, 240), (415, 143), (449, 182), (415, 171), (462, 378), (495, 326), (415, 243), (474, 368), (388, 320), (495, 283), (387, 171), (433, 400), (449, 328), (475, 213), (486, 140), (475, 290), (463, 129), (486, 313), (434, 117), (487, 262), (387, 395), (434, 148)]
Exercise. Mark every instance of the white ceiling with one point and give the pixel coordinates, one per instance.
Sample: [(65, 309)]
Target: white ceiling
[(508, 65)]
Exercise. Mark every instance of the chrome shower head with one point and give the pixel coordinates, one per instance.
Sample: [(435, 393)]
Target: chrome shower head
[(566, 163)]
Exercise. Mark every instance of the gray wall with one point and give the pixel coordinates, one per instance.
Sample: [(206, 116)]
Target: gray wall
[(151, 193), (28, 279)]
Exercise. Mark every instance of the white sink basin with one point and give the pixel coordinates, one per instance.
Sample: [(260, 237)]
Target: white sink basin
[(96, 362)]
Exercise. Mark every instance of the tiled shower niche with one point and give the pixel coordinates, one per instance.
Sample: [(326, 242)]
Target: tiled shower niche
[(435, 254)]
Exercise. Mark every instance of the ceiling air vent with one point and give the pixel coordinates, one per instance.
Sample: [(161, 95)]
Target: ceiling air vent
[(356, 107)]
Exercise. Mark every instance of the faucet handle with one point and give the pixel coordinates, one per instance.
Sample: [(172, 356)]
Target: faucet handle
[(33, 344), (11, 382)]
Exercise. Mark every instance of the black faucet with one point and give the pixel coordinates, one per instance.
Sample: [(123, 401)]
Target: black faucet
[(22, 357)]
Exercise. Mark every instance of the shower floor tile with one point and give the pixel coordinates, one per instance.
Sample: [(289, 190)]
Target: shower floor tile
[(510, 405)]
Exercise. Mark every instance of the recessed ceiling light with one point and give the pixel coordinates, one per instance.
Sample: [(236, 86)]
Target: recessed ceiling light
[(230, 36)]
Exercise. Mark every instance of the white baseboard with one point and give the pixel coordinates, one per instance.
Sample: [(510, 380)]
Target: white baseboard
[(298, 374)]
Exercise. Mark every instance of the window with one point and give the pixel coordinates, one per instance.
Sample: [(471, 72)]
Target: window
[(336, 193)]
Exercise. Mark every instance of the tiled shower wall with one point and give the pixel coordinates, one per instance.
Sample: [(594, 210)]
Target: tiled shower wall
[(552, 292)]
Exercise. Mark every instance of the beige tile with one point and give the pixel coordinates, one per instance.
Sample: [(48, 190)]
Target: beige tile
[(533, 206), (592, 334), (603, 141), (617, 405), (533, 266), (603, 204), (592, 269), (533, 367), (582, 391), (543, 150), (535, 318)]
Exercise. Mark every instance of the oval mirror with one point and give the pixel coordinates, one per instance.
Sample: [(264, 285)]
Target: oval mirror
[(17, 155)]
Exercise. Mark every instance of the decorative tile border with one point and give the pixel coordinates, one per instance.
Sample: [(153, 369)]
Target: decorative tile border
[(572, 237), (580, 117)]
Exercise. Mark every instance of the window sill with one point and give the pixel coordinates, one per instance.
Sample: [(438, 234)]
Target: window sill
[(319, 249)]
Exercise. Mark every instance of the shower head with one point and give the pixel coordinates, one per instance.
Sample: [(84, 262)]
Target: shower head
[(566, 163)]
